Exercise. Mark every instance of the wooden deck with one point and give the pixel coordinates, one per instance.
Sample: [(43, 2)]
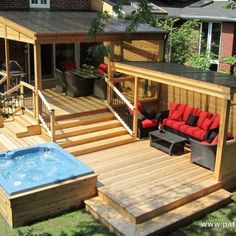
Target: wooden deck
[(65, 105)]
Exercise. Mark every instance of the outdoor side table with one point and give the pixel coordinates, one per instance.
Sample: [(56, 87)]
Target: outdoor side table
[(167, 142)]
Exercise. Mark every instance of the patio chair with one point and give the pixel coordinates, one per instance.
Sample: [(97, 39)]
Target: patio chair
[(78, 86), (203, 154), (61, 86)]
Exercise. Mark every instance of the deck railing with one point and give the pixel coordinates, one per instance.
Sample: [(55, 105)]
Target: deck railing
[(119, 105), (46, 116)]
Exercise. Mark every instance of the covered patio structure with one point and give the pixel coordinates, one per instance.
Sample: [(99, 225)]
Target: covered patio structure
[(39, 28), (208, 90)]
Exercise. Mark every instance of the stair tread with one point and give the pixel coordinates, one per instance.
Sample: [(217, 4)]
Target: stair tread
[(25, 120), (81, 127), (92, 136), (100, 143), (15, 127), (84, 120), (123, 225)]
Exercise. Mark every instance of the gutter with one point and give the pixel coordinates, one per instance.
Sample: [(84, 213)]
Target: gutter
[(208, 18)]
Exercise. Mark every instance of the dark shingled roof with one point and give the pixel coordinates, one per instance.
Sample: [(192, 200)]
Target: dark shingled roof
[(68, 22), (213, 11), (188, 72)]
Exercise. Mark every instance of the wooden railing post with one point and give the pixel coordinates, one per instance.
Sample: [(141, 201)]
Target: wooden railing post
[(109, 79), (37, 75), (135, 112), (7, 62), (53, 130), (224, 121), (22, 95)]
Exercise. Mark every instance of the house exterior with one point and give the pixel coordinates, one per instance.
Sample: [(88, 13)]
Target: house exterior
[(218, 25)]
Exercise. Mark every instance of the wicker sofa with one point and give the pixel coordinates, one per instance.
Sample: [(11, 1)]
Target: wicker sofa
[(179, 120)]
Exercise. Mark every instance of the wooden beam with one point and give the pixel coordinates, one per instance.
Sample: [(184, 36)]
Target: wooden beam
[(135, 112), (37, 76), (7, 61), (224, 121)]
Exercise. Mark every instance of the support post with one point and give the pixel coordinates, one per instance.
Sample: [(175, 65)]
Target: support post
[(53, 130), (22, 104), (224, 120), (7, 62), (109, 79), (37, 76), (135, 112)]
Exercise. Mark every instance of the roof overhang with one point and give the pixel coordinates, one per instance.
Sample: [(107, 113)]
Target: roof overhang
[(142, 71), (31, 31)]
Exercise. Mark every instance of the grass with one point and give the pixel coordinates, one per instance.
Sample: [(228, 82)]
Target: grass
[(80, 223), (77, 223)]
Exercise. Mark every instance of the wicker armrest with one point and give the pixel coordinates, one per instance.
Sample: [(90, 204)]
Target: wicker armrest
[(203, 154)]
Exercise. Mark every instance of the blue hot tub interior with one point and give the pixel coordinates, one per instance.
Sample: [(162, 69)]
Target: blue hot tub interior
[(33, 167)]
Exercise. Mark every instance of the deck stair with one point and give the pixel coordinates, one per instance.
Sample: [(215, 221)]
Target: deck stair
[(121, 224), (22, 125), (91, 133)]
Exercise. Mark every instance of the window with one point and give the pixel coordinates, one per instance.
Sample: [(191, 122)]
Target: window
[(40, 3), (210, 38)]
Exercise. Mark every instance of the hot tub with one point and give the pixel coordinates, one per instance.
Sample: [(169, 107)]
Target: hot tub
[(42, 181)]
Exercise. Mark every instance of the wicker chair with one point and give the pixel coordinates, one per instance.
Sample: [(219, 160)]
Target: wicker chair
[(61, 86), (203, 154), (77, 86)]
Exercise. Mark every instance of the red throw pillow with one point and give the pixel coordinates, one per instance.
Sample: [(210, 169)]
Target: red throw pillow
[(206, 124), (140, 107), (103, 67), (202, 116), (173, 106), (215, 121), (195, 111), (178, 112), (187, 112)]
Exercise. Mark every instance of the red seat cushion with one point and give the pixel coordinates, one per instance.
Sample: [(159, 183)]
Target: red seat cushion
[(215, 121), (202, 117), (187, 112), (149, 123), (195, 132), (173, 123)]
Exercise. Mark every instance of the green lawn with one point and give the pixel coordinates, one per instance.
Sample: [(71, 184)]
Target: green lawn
[(80, 223)]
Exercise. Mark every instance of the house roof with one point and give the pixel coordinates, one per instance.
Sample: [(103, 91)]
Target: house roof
[(57, 24), (213, 11)]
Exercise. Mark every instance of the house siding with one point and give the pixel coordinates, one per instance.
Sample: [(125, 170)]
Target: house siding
[(227, 44), (14, 4), (70, 4)]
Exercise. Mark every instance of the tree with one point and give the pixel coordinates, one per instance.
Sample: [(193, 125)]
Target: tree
[(230, 5)]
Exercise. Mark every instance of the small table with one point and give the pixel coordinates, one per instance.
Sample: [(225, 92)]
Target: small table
[(167, 142)]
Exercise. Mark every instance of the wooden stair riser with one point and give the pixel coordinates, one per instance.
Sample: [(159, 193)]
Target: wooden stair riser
[(92, 139), (86, 130), (81, 151), (117, 207), (70, 124)]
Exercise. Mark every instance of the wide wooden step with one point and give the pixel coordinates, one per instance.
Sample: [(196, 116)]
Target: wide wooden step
[(85, 120), (160, 225), (100, 145), (19, 131), (84, 129), (91, 137), (159, 196), (25, 120)]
